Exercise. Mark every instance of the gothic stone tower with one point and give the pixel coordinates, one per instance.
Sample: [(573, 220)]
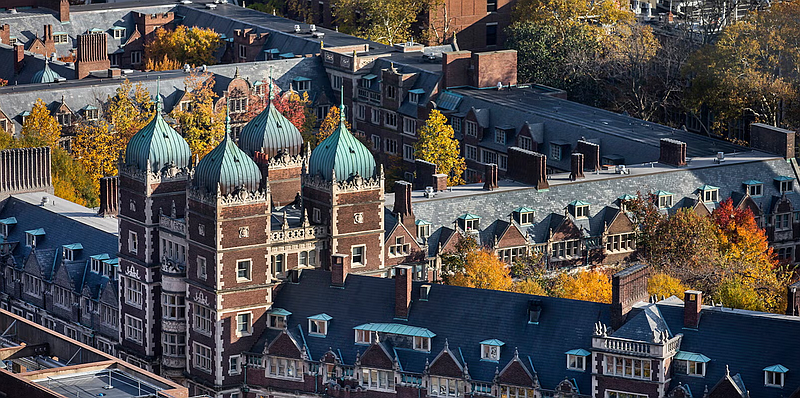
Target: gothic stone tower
[(153, 178), (343, 188), (229, 284)]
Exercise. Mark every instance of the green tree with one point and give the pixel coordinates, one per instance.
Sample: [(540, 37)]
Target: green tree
[(437, 144), (40, 127), (130, 109), (385, 21), (184, 45), (202, 126)]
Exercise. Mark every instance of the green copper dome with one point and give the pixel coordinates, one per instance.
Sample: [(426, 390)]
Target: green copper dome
[(343, 153), (270, 132), (228, 166), (158, 145), (46, 75)]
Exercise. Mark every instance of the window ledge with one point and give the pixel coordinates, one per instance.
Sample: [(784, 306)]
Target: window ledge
[(320, 335)]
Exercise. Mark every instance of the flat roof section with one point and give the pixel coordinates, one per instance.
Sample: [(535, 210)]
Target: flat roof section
[(109, 383)]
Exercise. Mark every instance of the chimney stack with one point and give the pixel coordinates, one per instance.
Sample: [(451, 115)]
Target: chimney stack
[(527, 167), (673, 152), (490, 175), (628, 287), (576, 166), (591, 155), (402, 291), (109, 191), (439, 182), (402, 205), (692, 304), (5, 34), (19, 57), (262, 161), (340, 267), (92, 54), (424, 174)]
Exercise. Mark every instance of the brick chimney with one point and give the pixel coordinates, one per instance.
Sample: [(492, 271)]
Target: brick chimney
[(793, 299), (673, 152), (48, 41), (5, 34), (455, 69), (527, 167), (628, 287), (109, 191), (340, 267), (482, 70), (402, 204), (490, 177), (92, 54), (402, 291), (576, 166), (63, 10), (19, 57), (424, 174), (591, 154), (773, 139), (692, 304), (439, 182)]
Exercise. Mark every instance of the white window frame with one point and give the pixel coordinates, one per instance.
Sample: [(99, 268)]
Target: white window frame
[(621, 394), (133, 242), (202, 319), (377, 379), (422, 343), (409, 126), (445, 387), (499, 136), (774, 379), (576, 362), (317, 327), (555, 152), (336, 82), (526, 217), (202, 268), (471, 152), (664, 201), (234, 364), (173, 306), (472, 128), (201, 357), (173, 344), (32, 285), (285, 368), (456, 123), (787, 186), (375, 116), (244, 324), (134, 329), (248, 270), (60, 38), (755, 190), (710, 195), (525, 143), (276, 321), (119, 32), (628, 367), (362, 255), (134, 292), (364, 336), (390, 120), (490, 352)]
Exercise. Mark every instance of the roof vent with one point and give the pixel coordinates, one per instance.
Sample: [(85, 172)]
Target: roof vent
[(424, 290), (297, 29), (318, 35), (211, 6), (312, 28), (534, 311), (294, 275)]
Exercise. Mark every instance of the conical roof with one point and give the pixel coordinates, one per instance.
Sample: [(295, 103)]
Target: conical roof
[(270, 132), (343, 153), (227, 166), (158, 145), (46, 75)]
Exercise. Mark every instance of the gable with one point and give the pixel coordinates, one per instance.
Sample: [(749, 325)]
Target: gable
[(329, 357), (109, 293), (782, 205), (32, 265), (448, 243), (37, 46), (516, 373), (511, 237), (701, 209), (376, 357), (748, 202), (446, 365), (284, 346), (620, 224), (566, 230), (726, 388)]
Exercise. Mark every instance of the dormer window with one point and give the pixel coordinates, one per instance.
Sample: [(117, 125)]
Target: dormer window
[(422, 343), (318, 324), (691, 363), (110, 267), (31, 236), (277, 318), (91, 113), (785, 184), (499, 136), (366, 81), (579, 208), (415, 95), (5, 226), (469, 222), (423, 230), (709, 193), (663, 199), (302, 84), (69, 251), (624, 200), (365, 336), (118, 32), (60, 38), (490, 349), (524, 215), (534, 311), (97, 263), (576, 359), (754, 188), (775, 375)]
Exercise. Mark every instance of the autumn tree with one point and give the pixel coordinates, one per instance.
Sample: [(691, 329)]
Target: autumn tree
[(130, 109), (584, 285), (751, 70), (663, 285), (292, 105), (184, 45), (40, 127), (483, 270), (565, 13), (384, 21), (97, 147), (330, 124), (437, 144), (202, 126)]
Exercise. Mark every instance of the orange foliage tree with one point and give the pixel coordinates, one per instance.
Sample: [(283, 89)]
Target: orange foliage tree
[(584, 285), (483, 270)]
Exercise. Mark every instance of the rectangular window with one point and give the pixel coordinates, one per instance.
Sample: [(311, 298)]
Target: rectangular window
[(409, 126), (302, 85), (364, 336), (525, 143), (234, 364), (456, 123), (277, 321), (318, 327), (62, 297), (413, 98), (576, 362), (202, 319), (491, 5), (134, 291), (442, 387), (243, 270), (376, 142), (620, 242), (472, 128), (133, 328), (391, 146), (33, 286), (566, 249), (754, 190), (391, 120), (470, 152), (618, 394), (202, 272), (358, 259), (774, 379), (786, 186), (136, 57), (317, 215), (502, 163), (283, 367), (555, 152), (64, 119), (278, 266), (202, 357), (119, 33), (490, 352), (710, 195), (238, 105), (109, 315), (133, 242), (336, 82), (361, 112), (408, 152), (665, 201), (488, 156), (423, 231), (491, 34), (173, 344), (243, 324), (173, 306), (376, 116), (516, 392), (627, 367), (391, 92), (499, 136), (60, 38), (375, 379)]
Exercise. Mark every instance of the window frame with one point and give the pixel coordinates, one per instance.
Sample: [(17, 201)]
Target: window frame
[(132, 331), (247, 271), (201, 357), (771, 379), (362, 256), (490, 352), (576, 362), (244, 319)]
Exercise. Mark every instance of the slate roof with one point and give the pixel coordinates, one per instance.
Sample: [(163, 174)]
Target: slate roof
[(448, 313), (61, 228)]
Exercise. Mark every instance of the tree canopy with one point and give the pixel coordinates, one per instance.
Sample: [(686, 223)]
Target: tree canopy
[(437, 144), (384, 21), (202, 126), (130, 109), (184, 45), (40, 127)]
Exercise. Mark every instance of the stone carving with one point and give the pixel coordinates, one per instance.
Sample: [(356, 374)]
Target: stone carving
[(132, 272), (358, 218), (244, 232)]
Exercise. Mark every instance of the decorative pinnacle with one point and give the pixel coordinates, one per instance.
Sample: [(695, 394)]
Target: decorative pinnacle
[(227, 122), (341, 106), (158, 95), (271, 97)]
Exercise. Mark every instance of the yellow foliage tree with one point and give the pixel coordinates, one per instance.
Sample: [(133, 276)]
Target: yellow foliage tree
[(97, 148), (661, 284), (437, 144), (330, 123), (71, 181), (165, 63), (584, 285), (529, 286), (130, 109), (483, 270), (563, 13), (184, 45), (202, 127), (40, 127)]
